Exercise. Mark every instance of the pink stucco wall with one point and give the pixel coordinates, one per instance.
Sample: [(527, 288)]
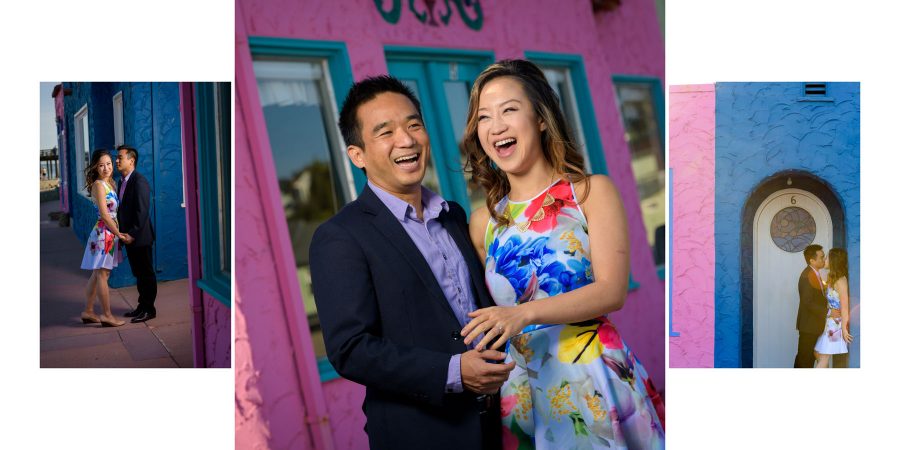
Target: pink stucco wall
[(269, 398), (217, 329), (692, 156)]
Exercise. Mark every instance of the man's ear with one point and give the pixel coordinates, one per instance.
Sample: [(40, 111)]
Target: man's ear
[(356, 155)]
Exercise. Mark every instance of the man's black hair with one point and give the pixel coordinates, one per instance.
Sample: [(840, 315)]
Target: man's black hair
[(362, 92)]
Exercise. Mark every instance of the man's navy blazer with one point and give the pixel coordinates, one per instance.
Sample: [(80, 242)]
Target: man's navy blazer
[(388, 326), (813, 308), (134, 211)]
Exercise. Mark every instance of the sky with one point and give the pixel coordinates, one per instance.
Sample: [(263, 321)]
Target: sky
[(48, 120)]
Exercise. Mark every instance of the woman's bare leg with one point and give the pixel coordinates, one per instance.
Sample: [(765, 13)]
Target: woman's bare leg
[(822, 361), (90, 292)]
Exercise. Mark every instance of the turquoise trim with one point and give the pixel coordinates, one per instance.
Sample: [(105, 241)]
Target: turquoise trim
[(326, 370), (214, 281), (661, 272), (430, 67), (339, 70), (575, 64), (632, 285), (659, 100), (420, 54)]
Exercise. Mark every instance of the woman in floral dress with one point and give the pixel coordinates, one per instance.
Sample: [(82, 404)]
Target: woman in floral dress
[(103, 252), (576, 383)]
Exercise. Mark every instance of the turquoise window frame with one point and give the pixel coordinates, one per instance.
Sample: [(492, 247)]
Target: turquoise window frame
[(454, 186), (659, 102), (214, 282), (575, 65), (341, 74)]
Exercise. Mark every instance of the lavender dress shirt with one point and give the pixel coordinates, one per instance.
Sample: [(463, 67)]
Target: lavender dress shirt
[(443, 257)]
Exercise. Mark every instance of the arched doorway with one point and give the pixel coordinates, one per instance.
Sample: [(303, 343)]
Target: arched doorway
[(785, 213), (786, 222)]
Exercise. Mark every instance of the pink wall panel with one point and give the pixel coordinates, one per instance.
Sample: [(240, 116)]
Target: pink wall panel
[(217, 326), (692, 157)]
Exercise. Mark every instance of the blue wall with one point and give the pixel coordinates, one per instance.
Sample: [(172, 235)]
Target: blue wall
[(152, 126), (763, 129)]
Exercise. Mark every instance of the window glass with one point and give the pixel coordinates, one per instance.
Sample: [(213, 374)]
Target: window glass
[(638, 113), (313, 176)]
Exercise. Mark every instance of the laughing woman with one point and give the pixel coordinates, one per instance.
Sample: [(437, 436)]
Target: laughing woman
[(576, 384), (103, 251)]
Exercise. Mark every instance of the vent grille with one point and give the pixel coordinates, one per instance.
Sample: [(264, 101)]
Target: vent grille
[(814, 89)]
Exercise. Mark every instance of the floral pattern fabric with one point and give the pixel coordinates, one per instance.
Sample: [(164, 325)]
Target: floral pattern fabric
[(103, 249), (831, 341), (575, 386)]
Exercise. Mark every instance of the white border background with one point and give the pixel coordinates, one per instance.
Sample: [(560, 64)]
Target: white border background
[(767, 40), (706, 41), (51, 41)]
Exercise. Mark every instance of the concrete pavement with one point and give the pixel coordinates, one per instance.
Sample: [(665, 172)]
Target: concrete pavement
[(65, 342)]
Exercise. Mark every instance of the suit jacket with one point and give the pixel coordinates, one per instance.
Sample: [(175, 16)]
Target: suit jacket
[(813, 308), (388, 326), (134, 211)]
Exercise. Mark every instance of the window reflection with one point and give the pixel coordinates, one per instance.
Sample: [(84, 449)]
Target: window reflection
[(431, 176), (299, 111), (642, 134)]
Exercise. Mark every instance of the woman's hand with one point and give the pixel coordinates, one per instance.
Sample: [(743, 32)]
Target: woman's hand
[(500, 322), (848, 338)]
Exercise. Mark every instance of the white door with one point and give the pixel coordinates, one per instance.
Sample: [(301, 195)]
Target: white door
[(785, 223)]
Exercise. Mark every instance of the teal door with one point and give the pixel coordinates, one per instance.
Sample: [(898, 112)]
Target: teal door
[(442, 81)]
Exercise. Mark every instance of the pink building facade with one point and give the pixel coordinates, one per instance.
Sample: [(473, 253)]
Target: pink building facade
[(294, 64), (692, 138)]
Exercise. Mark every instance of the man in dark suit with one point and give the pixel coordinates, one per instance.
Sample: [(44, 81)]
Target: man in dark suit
[(394, 276), (813, 308), (135, 224)]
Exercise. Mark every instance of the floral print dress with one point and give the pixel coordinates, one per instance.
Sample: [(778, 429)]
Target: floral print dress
[(103, 249), (575, 386)]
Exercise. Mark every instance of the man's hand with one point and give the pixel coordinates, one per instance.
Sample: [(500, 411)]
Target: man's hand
[(127, 238), (481, 376)]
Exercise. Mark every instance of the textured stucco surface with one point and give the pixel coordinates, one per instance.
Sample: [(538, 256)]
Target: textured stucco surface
[(269, 408), (151, 124), (217, 332), (692, 158), (763, 129), (626, 41)]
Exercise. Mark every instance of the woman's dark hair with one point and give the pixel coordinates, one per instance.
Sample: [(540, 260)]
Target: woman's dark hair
[(90, 174), (557, 143), (837, 265)]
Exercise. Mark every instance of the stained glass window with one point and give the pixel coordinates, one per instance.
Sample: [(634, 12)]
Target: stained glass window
[(793, 229)]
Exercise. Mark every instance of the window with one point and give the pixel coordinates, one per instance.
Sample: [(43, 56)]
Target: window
[(118, 119), (298, 102), (213, 125), (82, 149), (561, 82), (640, 101), (566, 75)]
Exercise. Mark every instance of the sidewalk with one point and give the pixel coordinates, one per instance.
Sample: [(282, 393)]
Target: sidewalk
[(65, 342)]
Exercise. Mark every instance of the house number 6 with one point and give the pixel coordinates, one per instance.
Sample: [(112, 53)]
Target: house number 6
[(793, 200)]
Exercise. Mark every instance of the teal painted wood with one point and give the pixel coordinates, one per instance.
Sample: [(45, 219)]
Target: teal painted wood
[(431, 68), (326, 370), (575, 64), (339, 70), (214, 281)]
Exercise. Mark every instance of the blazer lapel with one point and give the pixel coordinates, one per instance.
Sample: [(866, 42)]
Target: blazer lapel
[(476, 268), (387, 225)]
